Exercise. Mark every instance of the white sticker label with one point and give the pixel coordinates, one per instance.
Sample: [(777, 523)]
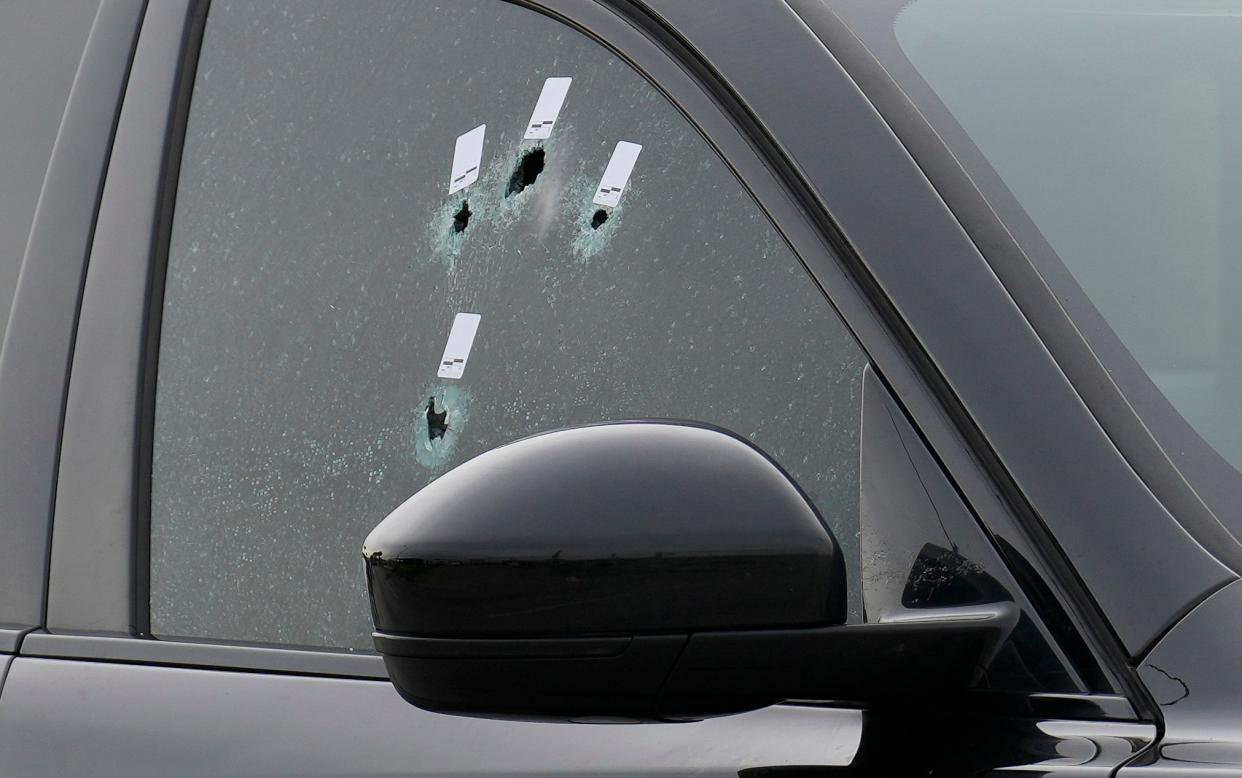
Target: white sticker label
[(543, 118), (617, 174), (467, 156), (457, 350)]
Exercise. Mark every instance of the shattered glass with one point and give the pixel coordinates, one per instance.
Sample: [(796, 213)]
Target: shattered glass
[(317, 263)]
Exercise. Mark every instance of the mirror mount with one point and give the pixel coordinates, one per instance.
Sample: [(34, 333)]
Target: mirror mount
[(690, 677)]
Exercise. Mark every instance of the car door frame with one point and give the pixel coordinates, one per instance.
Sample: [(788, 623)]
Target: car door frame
[(38, 343), (98, 593)]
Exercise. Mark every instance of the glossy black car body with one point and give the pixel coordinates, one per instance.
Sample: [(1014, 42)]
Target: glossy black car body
[(991, 391)]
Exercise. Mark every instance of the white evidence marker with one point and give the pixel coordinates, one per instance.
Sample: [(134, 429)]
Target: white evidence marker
[(620, 165), (467, 156), (547, 108), (460, 341)]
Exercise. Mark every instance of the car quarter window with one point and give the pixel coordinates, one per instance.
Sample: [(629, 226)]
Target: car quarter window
[(349, 313)]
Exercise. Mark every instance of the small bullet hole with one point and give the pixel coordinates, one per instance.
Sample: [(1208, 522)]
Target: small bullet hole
[(598, 219), (437, 423), (462, 217), (527, 170)]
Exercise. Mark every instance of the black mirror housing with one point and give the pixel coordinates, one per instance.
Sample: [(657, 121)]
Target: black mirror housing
[(619, 529), (636, 570)]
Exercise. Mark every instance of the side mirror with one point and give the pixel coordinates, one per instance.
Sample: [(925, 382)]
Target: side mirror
[(638, 571)]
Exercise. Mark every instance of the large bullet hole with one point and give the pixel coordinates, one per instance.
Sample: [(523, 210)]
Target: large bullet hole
[(437, 423), (462, 217), (598, 219), (526, 172)]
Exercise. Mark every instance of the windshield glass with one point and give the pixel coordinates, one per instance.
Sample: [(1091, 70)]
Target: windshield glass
[(1107, 134)]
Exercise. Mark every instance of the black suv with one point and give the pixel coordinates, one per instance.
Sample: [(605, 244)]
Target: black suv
[(828, 387)]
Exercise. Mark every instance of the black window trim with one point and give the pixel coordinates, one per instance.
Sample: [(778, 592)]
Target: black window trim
[(103, 612)]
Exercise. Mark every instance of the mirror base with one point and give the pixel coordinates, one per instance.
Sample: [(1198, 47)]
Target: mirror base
[(688, 677)]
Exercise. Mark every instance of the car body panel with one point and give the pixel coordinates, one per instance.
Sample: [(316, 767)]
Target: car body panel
[(40, 44), (114, 309), (146, 720), (1195, 674), (38, 343), (1014, 439)]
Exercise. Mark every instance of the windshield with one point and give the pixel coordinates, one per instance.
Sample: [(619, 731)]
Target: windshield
[(1107, 134)]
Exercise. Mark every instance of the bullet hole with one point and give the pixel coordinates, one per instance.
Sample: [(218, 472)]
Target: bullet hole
[(598, 219), (439, 415), (527, 170), (462, 217), (437, 423)]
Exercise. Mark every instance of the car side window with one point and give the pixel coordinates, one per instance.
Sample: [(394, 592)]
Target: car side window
[(339, 329)]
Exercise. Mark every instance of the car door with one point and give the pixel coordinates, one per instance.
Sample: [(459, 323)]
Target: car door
[(303, 199)]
